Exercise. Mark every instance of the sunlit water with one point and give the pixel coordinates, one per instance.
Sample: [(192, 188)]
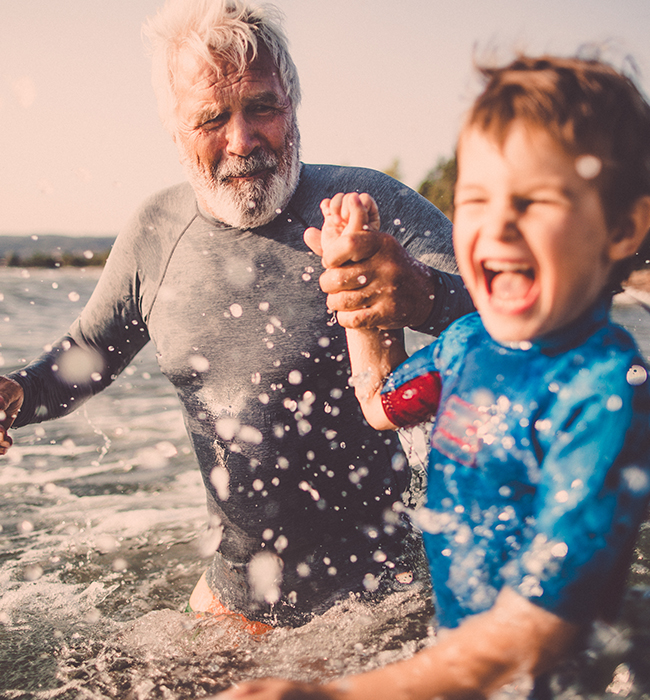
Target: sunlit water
[(102, 514)]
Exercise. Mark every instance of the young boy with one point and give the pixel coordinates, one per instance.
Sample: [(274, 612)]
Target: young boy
[(539, 469)]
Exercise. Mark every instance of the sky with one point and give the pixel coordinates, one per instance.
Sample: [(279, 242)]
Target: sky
[(81, 144)]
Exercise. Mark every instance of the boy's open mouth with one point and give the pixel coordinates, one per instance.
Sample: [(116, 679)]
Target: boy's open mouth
[(508, 282)]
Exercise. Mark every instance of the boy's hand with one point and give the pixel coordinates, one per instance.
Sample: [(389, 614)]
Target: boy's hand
[(343, 214)]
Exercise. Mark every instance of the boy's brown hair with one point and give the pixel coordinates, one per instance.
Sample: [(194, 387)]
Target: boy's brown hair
[(590, 109)]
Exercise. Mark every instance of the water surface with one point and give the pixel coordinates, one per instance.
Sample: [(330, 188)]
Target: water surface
[(103, 520)]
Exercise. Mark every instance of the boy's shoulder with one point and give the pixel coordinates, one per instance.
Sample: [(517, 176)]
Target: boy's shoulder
[(464, 333), (453, 344), (612, 344)]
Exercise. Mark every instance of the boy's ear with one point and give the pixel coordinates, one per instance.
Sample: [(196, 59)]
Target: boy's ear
[(631, 231)]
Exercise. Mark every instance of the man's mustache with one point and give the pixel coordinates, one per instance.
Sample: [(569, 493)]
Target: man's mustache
[(243, 167)]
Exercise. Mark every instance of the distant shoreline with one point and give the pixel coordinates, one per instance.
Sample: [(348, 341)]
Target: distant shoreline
[(54, 250)]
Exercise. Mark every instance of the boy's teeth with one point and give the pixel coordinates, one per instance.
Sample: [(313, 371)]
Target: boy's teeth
[(508, 281), (502, 266)]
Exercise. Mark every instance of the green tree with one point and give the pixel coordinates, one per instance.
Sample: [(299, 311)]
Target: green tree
[(394, 170), (438, 185)]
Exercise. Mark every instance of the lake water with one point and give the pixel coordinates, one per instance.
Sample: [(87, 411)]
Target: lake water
[(102, 516)]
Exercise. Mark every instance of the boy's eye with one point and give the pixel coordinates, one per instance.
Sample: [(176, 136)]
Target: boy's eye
[(466, 201), (521, 204)]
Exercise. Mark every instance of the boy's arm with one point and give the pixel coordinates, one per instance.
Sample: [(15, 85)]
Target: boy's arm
[(373, 353), (512, 640), (373, 356)]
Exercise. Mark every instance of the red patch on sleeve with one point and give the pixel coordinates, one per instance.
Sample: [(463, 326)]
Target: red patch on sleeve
[(413, 402)]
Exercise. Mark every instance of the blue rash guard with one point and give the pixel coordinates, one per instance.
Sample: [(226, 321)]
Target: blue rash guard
[(242, 331), (539, 469)]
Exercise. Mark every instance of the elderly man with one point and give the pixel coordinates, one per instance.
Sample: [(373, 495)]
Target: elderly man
[(300, 490)]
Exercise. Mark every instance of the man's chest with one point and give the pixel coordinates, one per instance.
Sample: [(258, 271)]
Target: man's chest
[(239, 306)]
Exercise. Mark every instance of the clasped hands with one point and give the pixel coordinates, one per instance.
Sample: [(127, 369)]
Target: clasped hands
[(370, 280)]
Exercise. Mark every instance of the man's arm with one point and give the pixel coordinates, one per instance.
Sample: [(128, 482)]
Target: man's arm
[(512, 640), (104, 339)]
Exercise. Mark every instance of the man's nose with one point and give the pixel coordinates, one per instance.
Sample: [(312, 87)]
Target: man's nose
[(242, 136)]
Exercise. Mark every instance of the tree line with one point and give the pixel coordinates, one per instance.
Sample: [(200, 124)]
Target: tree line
[(438, 184), (40, 259)]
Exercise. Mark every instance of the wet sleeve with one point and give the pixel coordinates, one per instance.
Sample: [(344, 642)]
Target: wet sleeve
[(592, 497), (99, 345), (411, 394)]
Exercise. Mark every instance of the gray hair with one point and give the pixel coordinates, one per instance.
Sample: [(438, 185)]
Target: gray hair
[(218, 31)]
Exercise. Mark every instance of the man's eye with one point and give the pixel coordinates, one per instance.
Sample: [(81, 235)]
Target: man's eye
[(262, 110), (213, 122)]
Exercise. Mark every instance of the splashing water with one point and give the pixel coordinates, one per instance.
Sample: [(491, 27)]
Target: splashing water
[(103, 536)]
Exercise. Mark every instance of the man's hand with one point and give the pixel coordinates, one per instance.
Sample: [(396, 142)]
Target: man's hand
[(11, 399), (370, 279)]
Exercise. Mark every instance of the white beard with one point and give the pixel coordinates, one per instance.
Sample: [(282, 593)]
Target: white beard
[(249, 204)]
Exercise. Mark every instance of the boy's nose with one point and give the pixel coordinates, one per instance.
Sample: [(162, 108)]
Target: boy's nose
[(502, 223)]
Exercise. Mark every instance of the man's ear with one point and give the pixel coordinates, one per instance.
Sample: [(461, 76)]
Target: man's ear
[(631, 231)]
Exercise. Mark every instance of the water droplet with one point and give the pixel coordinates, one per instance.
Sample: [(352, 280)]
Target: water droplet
[(370, 582), (614, 403), (120, 564), (106, 543), (265, 575), (637, 479), (295, 377), (199, 363), (92, 616), (220, 479), (303, 570), (588, 166), (227, 427), (637, 375), (32, 572), (250, 434)]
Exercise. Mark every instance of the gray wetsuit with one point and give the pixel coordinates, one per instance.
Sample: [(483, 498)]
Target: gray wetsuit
[(297, 480)]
